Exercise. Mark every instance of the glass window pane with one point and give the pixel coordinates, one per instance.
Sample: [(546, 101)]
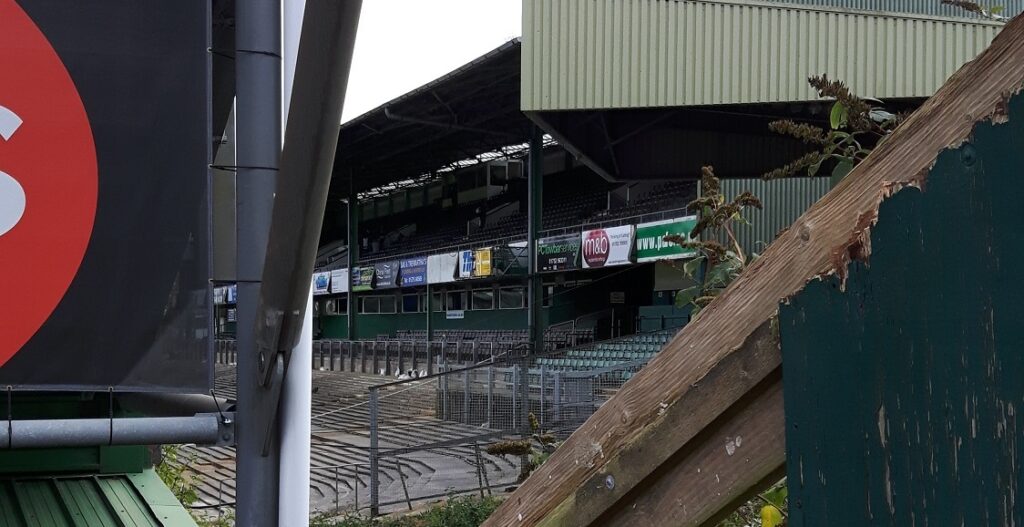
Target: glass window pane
[(370, 304), (511, 298), (387, 304), (456, 300), (483, 299), (410, 303)]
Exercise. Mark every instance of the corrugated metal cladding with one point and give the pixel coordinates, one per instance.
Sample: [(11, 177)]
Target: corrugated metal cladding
[(604, 54), (784, 201), (920, 7), (134, 500)]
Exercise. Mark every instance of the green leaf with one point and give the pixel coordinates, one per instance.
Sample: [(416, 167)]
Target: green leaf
[(840, 171), (692, 267), (685, 296), (996, 9), (813, 169), (837, 119)]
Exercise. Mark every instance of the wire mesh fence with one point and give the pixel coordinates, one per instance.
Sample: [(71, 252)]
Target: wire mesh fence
[(383, 447), (441, 426)]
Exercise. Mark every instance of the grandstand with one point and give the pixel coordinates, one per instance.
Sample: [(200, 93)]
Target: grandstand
[(422, 270)]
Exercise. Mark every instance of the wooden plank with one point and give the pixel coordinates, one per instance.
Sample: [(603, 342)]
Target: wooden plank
[(721, 465), (821, 242)]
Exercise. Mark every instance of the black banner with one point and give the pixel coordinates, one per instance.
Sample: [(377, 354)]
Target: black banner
[(387, 274), (104, 153), (558, 253)]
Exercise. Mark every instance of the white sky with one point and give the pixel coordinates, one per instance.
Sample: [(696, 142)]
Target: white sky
[(404, 44)]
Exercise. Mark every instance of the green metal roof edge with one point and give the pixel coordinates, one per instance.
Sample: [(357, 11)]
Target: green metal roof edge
[(167, 509), (91, 499)]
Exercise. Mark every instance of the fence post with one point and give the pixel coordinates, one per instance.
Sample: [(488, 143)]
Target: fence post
[(430, 358), (443, 380), (515, 397), (479, 467), (543, 389), (405, 489), (465, 396), (558, 398), (337, 491), (374, 454), (490, 397), (355, 486)]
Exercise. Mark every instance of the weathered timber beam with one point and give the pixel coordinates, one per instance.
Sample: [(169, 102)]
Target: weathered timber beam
[(822, 241), (738, 455), (726, 385)]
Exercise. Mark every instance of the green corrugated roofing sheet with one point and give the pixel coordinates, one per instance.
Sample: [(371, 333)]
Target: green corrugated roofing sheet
[(121, 500)]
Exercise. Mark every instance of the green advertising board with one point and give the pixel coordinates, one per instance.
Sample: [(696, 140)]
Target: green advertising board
[(651, 244)]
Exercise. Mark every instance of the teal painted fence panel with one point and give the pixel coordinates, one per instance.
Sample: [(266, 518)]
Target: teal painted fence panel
[(904, 391)]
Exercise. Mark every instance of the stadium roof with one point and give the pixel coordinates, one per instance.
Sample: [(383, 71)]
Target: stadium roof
[(464, 114)]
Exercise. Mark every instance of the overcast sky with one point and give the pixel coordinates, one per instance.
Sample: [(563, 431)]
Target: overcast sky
[(404, 44)]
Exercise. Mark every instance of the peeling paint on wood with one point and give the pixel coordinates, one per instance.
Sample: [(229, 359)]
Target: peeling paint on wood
[(901, 391)]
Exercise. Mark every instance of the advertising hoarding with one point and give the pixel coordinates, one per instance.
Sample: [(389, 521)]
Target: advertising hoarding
[(442, 268), (607, 247), (558, 253), (482, 262), (414, 271), (387, 274), (650, 242), (363, 278), (321, 283), (465, 264), (339, 281), (104, 171)]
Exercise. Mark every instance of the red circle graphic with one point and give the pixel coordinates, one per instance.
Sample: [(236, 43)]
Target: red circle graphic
[(52, 157)]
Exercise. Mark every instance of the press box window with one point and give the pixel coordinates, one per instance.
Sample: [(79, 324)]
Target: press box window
[(456, 300), (369, 304), (387, 304), (410, 303), (483, 299), (511, 298)]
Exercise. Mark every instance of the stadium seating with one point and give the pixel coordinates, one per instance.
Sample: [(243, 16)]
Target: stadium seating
[(605, 354)]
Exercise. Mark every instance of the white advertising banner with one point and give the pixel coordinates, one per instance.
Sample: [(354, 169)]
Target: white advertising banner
[(607, 247), (321, 283), (466, 259), (441, 268), (339, 281)]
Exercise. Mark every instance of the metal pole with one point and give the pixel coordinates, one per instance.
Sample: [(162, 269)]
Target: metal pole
[(558, 398), (201, 429), (540, 417), (294, 429), (374, 454), (479, 467), (535, 186), (258, 117), (490, 397), (465, 396), (353, 253), (430, 313), (405, 489), (296, 397)]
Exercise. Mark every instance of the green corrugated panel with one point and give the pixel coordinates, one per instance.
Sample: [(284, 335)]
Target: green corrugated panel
[(133, 500), (784, 201), (126, 503), (601, 54), (83, 502)]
